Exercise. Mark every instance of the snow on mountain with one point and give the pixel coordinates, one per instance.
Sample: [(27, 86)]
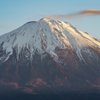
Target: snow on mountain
[(45, 35)]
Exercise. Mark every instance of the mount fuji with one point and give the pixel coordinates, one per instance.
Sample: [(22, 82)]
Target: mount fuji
[(49, 57)]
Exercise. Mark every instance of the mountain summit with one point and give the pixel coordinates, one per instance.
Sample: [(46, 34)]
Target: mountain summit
[(51, 55), (46, 35)]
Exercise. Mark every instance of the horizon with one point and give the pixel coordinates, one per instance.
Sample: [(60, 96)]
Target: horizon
[(16, 13)]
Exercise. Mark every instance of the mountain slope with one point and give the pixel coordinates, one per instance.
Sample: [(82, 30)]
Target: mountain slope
[(49, 56)]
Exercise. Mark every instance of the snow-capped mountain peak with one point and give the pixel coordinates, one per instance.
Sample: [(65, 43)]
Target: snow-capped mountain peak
[(45, 35)]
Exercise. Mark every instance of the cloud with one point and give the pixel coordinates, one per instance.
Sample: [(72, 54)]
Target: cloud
[(87, 12), (91, 12)]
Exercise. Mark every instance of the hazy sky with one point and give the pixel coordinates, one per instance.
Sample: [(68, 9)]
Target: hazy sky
[(14, 13)]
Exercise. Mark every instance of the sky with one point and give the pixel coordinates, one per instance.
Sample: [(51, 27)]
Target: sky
[(15, 13)]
